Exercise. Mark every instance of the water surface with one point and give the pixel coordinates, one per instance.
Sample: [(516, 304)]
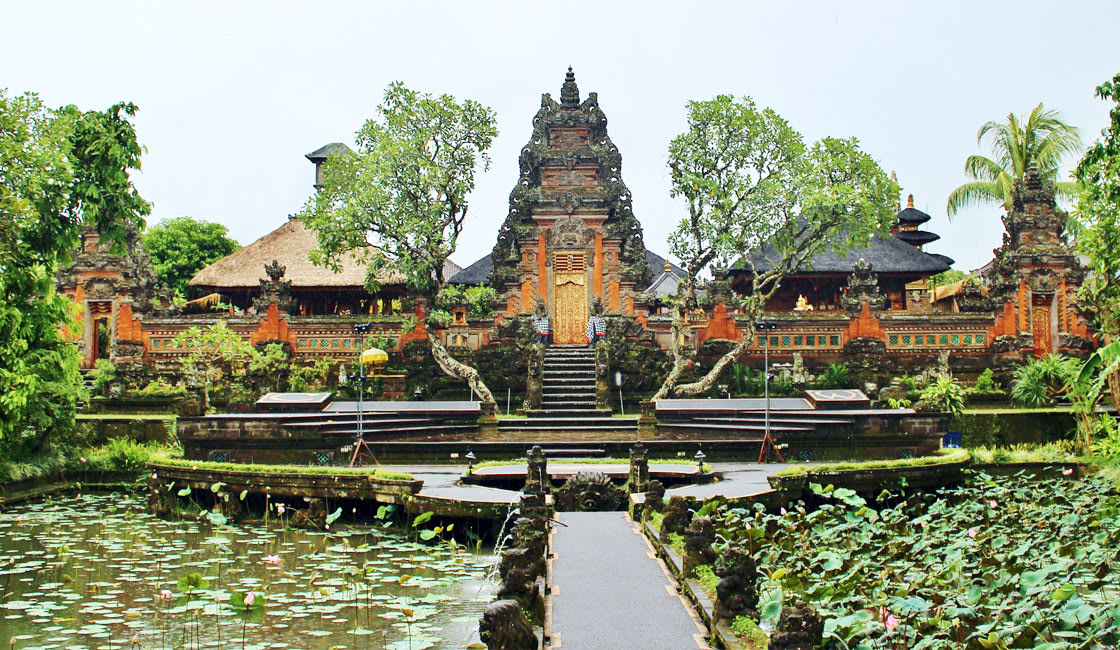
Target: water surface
[(97, 571)]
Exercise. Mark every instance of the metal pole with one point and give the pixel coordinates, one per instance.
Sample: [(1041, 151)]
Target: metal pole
[(509, 393), (361, 387), (621, 406), (766, 378)]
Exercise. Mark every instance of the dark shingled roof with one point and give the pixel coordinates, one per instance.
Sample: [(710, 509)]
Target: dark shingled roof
[(885, 254), (917, 237), (912, 215), (322, 152), (479, 272)]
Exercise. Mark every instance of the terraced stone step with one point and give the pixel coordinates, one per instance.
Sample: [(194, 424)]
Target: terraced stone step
[(546, 413)]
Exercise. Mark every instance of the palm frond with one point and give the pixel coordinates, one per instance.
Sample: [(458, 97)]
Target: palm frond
[(983, 168), (975, 193)]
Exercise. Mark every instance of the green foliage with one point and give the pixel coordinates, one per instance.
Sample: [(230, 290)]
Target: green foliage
[(159, 388), (310, 378), (836, 375), (217, 357), (1043, 139), (706, 576), (378, 473), (270, 367), (405, 188), (986, 383), (945, 394), (399, 202), (1062, 451), (1097, 223), (439, 318), (480, 301), (1005, 560), (948, 277), (751, 184), (1040, 382), (182, 246), (104, 373), (123, 455), (746, 629), (59, 171)]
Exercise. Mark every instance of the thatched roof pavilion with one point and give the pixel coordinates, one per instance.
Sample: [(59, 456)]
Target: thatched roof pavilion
[(316, 289)]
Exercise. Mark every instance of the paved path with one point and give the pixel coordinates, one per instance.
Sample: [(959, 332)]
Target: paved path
[(609, 591)]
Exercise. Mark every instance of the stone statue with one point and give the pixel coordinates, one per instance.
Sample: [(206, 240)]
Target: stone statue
[(677, 516), (863, 286), (799, 628), (589, 491), (537, 480), (519, 583), (698, 538), (639, 468), (504, 627), (655, 496), (737, 591)]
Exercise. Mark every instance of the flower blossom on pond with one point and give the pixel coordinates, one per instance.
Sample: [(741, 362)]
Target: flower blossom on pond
[(891, 622), (1067, 471), (972, 532), (273, 559), (250, 598), (166, 594)]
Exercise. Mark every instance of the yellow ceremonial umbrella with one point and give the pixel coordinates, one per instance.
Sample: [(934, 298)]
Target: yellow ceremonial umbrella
[(374, 357)]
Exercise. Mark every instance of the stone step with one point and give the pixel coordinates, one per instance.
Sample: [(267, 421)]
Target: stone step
[(559, 412), (573, 395), (727, 428), (570, 384), (588, 405)]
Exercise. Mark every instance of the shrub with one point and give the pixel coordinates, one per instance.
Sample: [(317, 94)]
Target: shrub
[(121, 454), (1042, 381), (480, 301), (311, 378), (103, 374), (160, 388), (707, 578), (836, 375), (746, 629), (986, 382), (439, 318), (945, 394)]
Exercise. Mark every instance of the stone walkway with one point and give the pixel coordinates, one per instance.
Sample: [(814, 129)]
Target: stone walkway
[(610, 591)]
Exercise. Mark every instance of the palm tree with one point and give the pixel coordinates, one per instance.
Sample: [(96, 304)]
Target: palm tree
[(1044, 139)]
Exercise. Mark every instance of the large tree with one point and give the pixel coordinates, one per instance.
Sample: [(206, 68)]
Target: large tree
[(750, 184), (182, 246), (1042, 139), (60, 170), (399, 202), (1096, 224)]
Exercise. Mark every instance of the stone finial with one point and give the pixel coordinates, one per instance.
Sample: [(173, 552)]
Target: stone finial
[(1033, 178), (668, 266), (275, 271), (569, 92), (910, 202)]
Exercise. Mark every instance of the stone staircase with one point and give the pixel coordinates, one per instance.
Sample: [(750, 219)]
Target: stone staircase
[(568, 403)]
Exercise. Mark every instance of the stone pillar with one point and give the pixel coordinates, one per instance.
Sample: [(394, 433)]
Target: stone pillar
[(602, 377), (639, 469), (534, 384), (537, 480)]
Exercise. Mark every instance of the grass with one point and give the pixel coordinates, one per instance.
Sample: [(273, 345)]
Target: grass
[(591, 461), (705, 574), (377, 473), (746, 629), (1063, 451), (126, 416), (1003, 410), (942, 457)]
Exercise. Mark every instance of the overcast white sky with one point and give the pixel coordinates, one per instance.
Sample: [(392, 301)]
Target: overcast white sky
[(233, 94)]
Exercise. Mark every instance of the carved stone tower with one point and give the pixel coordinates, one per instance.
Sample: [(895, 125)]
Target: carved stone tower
[(571, 234), (1035, 276)]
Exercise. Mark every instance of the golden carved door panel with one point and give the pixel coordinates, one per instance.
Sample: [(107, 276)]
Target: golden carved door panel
[(569, 271), (1040, 326)]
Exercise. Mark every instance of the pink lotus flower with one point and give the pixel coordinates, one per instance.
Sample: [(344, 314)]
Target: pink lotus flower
[(1067, 471), (279, 508), (273, 559), (250, 598), (783, 511), (972, 532), (891, 622), (992, 504), (166, 594), (83, 459), (154, 476)]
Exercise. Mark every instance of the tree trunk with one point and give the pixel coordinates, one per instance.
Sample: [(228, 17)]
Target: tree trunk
[(679, 362), (709, 380), (459, 370)]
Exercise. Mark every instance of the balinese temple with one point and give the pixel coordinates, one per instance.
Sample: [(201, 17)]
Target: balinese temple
[(897, 259), (570, 235)]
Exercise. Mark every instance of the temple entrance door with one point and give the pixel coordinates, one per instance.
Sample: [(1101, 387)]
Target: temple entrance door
[(1043, 326), (100, 339), (569, 270)]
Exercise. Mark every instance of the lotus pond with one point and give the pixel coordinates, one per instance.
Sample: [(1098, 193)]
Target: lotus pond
[(97, 571), (996, 563)]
